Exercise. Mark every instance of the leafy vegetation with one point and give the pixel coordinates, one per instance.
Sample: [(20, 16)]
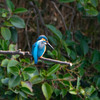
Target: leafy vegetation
[(20, 79)]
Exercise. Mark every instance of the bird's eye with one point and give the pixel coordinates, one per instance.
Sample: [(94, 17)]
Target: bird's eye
[(44, 42)]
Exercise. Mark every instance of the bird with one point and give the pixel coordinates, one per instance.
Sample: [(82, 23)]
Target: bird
[(39, 47)]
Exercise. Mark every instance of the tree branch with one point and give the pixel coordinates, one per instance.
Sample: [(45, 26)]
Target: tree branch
[(27, 53), (59, 14), (27, 38), (40, 16), (37, 22)]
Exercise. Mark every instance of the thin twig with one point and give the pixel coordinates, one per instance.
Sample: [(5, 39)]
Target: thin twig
[(71, 22), (37, 22), (56, 61), (64, 79), (73, 12), (72, 18), (60, 14), (40, 16), (19, 52), (27, 38)]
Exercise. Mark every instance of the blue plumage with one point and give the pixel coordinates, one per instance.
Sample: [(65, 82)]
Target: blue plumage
[(42, 36), (39, 47)]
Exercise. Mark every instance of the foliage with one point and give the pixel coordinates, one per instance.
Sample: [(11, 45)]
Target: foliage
[(22, 80)]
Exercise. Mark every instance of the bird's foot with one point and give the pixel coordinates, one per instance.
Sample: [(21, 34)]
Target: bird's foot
[(40, 57)]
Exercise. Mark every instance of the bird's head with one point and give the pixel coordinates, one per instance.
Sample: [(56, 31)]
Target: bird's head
[(45, 40), (42, 37)]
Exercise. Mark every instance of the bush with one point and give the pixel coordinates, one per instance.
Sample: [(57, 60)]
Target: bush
[(20, 79)]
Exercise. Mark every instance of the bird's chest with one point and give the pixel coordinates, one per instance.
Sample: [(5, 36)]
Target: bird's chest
[(41, 46), (41, 49)]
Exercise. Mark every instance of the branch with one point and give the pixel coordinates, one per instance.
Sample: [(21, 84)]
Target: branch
[(19, 52), (56, 61), (68, 6), (27, 38), (37, 22), (40, 16), (60, 14)]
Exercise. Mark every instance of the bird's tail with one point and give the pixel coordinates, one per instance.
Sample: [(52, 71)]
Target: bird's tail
[(34, 54)]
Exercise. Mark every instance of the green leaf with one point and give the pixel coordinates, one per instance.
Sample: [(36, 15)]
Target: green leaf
[(98, 83), (7, 23), (36, 79), (12, 47), (55, 31), (47, 90), (5, 81), (4, 62), (66, 1), (67, 75), (14, 81), (81, 71), (14, 35), (20, 10), (17, 21), (98, 17), (29, 70), (53, 40), (26, 90), (11, 63), (73, 55), (82, 91), (91, 11), (84, 47), (79, 36), (14, 70), (25, 60), (25, 76), (53, 69), (95, 57), (57, 91), (90, 90), (15, 91), (27, 84), (50, 54), (68, 51), (4, 44), (78, 83), (10, 5), (73, 92), (23, 94), (5, 32), (97, 67), (63, 92), (55, 53), (94, 3), (4, 14), (8, 92), (68, 32)]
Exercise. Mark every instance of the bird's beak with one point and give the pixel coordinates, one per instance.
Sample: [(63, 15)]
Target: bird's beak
[(50, 45)]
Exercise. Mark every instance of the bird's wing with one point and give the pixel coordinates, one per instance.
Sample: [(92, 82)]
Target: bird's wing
[(34, 52)]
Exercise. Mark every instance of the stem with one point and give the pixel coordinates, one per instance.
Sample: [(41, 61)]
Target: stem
[(27, 53)]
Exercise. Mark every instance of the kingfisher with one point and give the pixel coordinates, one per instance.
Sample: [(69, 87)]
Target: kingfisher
[(39, 47)]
